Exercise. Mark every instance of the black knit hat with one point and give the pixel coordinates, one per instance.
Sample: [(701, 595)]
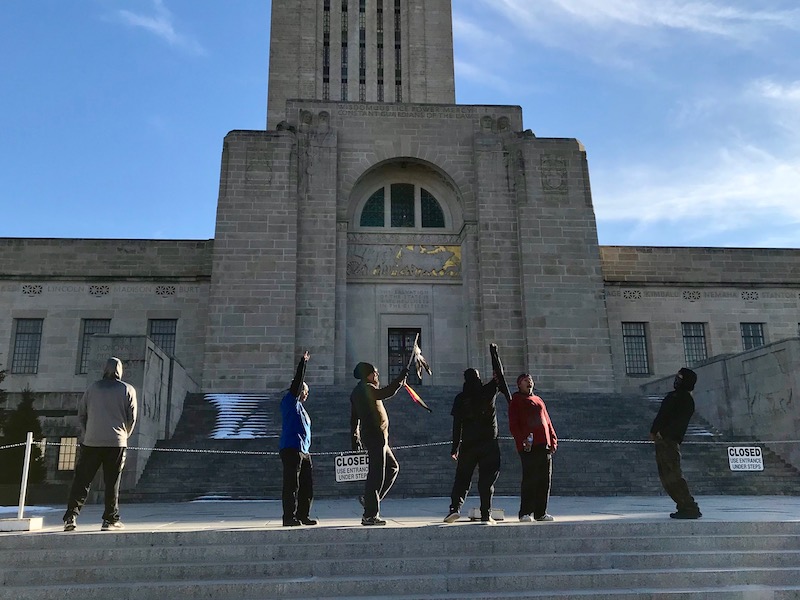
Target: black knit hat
[(363, 370)]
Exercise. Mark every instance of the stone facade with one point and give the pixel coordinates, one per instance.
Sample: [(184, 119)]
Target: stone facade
[(374, 51), (303, 259)]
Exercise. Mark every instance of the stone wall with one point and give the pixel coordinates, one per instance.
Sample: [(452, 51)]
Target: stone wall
[(82, 259), (718, 287), (700, 266), (252, 315), (753, 394)]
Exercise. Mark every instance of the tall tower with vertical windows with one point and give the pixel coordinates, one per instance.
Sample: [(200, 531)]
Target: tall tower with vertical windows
[(393, 51)]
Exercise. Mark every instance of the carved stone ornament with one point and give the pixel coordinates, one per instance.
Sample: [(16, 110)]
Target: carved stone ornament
[(403, 262), (554, 174)]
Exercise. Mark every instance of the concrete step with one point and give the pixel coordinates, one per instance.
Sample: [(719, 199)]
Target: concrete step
[(462, 583), (224, 568), (629, 559)]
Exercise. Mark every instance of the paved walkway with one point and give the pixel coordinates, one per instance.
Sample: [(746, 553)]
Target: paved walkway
[(408, 512)]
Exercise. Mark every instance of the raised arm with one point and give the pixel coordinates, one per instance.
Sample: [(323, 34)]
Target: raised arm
[(299, 375), (499, 374), (390, 390)]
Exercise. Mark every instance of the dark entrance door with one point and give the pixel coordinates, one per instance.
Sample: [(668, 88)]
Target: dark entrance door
[(401, 343)]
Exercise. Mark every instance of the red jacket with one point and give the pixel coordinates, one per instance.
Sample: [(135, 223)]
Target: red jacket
[(528, 414)]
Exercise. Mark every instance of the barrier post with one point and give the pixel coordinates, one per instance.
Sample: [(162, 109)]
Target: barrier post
[(21, 524), (23, 490)]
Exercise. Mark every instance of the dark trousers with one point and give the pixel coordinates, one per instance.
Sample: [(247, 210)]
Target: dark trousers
[(537, 473), (485, 456), (90, 459), (383, 470), (298, 484), (668, 459)]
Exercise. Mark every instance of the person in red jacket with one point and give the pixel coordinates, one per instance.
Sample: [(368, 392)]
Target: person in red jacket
[(536, 442)]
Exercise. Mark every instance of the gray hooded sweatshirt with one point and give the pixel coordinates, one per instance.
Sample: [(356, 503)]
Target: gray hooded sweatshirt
[(107, 411)]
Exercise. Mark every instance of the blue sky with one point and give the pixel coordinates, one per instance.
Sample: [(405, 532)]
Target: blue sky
[(114, 111)]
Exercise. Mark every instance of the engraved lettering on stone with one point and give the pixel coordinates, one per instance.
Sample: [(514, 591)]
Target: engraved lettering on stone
[(409, 300), (434, 262), (407, 111), (554, 173)]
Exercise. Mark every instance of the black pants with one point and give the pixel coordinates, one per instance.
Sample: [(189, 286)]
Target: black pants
[(298, 484), (668, 460), (383, 470), (537, 473), (485, 456), (90, 459)]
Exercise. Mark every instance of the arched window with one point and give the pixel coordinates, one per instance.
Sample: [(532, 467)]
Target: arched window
[(372, 215), (409, 206)]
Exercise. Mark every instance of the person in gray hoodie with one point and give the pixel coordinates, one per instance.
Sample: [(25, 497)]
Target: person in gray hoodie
[(107, 416)]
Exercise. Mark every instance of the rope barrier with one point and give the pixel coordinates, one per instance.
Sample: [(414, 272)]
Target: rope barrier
[(416, 446), (12, 446)]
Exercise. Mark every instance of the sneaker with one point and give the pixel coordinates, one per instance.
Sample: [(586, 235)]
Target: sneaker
[(112, 526), (307, 521), (488, 520), (370, 521), (545, 517), (70, 524), (291, 522), (686, 514), (452, 517), (525, 519)]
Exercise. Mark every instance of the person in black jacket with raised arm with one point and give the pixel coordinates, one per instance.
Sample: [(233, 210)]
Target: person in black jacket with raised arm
[(295, 446), (475, 442)]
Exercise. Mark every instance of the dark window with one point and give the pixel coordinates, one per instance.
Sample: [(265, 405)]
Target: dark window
[(89, 328), (372, 215), (402, 205), (432, 214), (634, 341), (752, 335), (27, 345), (694, 343), (163, 332), (401, 343)]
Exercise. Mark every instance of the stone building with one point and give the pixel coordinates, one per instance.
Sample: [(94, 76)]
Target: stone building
[(374, 209)]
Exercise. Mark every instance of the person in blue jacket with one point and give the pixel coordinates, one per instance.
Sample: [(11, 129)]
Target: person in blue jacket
[(298, 486)]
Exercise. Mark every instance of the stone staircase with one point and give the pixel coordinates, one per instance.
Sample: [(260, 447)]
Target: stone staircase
[(225, 446), (599, 561)]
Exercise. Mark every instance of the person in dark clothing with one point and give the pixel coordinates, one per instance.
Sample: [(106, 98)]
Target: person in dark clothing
[(668, 430), (369, 427), (475, 442), (536, 442), (295, 446), (107, 414)]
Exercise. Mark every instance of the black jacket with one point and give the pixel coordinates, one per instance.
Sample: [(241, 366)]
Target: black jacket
[(673, 417)]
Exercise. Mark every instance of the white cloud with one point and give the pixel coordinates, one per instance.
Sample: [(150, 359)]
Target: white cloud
[(706, 17), (746, 187), (160, 24)]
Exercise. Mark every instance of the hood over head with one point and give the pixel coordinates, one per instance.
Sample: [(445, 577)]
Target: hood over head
[(113, 368), (686, 381), (472, 380)]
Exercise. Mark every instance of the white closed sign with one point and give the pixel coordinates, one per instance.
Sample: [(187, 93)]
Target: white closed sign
[(745, 458), (353, 467)]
